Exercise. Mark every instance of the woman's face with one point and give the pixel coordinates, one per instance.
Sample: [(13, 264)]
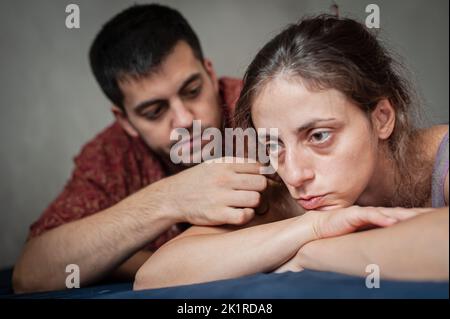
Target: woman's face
[(326, 148)]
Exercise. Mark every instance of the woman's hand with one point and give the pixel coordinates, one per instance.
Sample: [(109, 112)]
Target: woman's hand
[(347, 220)]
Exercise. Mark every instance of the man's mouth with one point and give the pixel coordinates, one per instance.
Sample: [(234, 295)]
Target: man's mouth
[(190, 141)]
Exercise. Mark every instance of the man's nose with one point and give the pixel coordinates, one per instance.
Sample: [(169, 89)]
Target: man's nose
[(182, 116), (297, 168)]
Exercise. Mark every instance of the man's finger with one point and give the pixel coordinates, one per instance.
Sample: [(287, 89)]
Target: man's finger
[(238, 216), (249, 182), (243, 199), (247, 168)]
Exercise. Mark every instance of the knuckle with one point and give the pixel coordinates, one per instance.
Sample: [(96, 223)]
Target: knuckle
[(239, 217), (224, 216), (249, 212), (263, 182), (258, 183), (222, 180), (255, 199)]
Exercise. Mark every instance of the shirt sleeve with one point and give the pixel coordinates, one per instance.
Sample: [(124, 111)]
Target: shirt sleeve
[(107, 170), (88, 191)]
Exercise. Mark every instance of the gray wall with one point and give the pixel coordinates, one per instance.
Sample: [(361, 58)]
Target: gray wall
[(50, 104)]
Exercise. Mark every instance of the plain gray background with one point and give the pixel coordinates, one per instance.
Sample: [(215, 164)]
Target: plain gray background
[(50, 104)]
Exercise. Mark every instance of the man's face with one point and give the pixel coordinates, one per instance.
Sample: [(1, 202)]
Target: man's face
[(182, 89)]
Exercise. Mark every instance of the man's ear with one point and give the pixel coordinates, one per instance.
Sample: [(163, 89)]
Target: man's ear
[(212, 74), (383, 119), (123, 120)]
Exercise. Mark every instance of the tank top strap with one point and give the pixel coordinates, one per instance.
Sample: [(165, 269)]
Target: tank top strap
[(440, 171)]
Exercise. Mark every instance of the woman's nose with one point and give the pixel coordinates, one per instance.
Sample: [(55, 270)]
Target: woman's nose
[(297, 169)]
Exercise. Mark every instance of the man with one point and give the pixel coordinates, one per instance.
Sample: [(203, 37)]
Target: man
[(125, 197)]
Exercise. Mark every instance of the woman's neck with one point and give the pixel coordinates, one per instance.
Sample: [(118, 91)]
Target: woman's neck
[(405, 186), (382, 187)]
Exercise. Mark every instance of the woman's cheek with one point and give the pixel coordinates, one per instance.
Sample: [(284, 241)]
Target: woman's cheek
[(281, 173)]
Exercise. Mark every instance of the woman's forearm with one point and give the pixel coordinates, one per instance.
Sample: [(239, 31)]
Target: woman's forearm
[(416, 249), (206, 257)]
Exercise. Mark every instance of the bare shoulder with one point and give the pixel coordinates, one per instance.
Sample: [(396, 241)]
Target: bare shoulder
[(434, 133), (430, 138)]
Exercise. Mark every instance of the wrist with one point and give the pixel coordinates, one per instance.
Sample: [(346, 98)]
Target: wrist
[(310, 221), (162, 203), (303, 257), (149, 205)]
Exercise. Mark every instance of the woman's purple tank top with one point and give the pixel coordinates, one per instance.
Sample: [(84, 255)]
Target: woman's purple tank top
[(440, 171)]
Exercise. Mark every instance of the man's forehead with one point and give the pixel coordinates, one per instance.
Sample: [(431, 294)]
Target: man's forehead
[(174, 69)]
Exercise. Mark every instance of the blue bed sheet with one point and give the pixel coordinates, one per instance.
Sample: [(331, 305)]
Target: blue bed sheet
[(305, 285)]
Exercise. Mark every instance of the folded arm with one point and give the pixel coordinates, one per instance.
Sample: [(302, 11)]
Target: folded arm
[(205, 253), (417, 249), (213, 253)]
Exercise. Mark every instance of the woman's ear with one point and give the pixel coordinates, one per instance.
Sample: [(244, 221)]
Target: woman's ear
[(383, 119), (123, 120), (212, 74)]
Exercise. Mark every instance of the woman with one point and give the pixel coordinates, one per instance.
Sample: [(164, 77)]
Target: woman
[(347, 153)]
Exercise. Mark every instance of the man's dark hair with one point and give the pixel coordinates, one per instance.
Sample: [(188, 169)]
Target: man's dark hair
[(135, 42)]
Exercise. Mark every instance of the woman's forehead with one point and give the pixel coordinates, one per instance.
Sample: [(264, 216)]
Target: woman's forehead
[(283, 100)]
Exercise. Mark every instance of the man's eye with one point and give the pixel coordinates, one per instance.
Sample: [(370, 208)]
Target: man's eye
[(320, 137), (154, 114), (193, 92)]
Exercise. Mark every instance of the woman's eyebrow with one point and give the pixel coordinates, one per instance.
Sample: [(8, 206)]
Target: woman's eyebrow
[(265, 136), (306, 126), (312, 123)]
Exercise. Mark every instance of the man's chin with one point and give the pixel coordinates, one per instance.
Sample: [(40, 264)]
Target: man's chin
[(188, 164), (186, 161)]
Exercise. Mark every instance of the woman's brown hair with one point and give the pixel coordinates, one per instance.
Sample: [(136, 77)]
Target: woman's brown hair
[(328, 52)]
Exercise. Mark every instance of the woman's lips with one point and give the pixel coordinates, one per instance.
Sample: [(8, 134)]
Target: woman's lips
[(311, 202)]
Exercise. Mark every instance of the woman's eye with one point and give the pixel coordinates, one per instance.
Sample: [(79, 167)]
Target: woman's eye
[(272, 148), (320, 137)]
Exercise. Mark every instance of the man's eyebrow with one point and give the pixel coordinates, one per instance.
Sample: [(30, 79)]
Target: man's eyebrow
[(189, 80), (143, 105)]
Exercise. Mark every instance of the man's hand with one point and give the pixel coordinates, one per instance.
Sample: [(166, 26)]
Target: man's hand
[(214, 193)]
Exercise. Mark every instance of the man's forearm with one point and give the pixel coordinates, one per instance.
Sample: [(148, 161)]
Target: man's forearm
[(414, 249), (97, 244)]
